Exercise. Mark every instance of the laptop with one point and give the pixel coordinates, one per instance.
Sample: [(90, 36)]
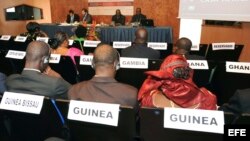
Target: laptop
[(147, 22)]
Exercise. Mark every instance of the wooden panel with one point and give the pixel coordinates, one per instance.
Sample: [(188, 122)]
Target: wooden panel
[(239, 35), (164, 12)]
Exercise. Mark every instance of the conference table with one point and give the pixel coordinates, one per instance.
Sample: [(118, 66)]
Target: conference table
[(111, 34)]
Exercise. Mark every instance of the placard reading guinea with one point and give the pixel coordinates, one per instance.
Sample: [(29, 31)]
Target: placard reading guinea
[(88, 43), (22, 102), (198, 64), (223, 46), (43, 39), (238, 67), (137, 63), (93, 112), (15, 54), (54, 58), (158, 46), (5, 37), (194, 120), (20, 38), (121, 44), (86, 59)]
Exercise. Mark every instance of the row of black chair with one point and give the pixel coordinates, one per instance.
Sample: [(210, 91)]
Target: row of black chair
[(147, 125)]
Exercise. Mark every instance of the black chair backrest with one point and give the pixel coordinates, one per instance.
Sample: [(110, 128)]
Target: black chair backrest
[(66, 69), (151, 129), (86, 72), (202, 51), (165, 53), (244, 118), (224, 55), (224, 84)]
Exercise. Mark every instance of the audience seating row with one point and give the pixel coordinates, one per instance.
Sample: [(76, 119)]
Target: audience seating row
[(146, 125)]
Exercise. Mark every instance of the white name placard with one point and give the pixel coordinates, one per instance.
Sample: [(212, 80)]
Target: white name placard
[(223, 46), (86, 59), (20, 39), (194, 120), (22, 102), (195, 48), (101, 113), (121, 44), (5, 37), (54, 58), (238, 67), (198, 64), (71, 42), (15, 54), (88, 43), (43, 39), (158, 46), (137, 63)]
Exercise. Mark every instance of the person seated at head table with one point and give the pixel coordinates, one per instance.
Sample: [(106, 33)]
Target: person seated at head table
[(34, 79), (72, 17), (2, 83), (172, 86), (33, 31), (60, 45), (118, 18), (239, 103), (138, 16), (183, 47), (103, 87), (87, 18), (139, 49)]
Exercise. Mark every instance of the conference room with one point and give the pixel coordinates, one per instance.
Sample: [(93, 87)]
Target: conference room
[(81, 96)]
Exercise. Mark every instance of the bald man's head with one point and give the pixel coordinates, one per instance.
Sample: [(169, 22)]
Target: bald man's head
[(141, 35), (105, 54), (184, 43), (36, 52)]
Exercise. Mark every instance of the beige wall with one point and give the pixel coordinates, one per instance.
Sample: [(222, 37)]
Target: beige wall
[(17, 27)]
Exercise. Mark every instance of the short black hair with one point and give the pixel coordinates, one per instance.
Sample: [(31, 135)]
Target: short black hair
[(85, 10), (184, 43), (33, 27), (71, 11), (81, 31)]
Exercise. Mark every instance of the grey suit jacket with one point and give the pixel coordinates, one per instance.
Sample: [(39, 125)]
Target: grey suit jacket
[(87, 18), (33, 82), (2, 83)]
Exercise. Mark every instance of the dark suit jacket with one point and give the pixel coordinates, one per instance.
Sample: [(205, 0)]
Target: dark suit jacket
[(2, 83), (140, 51), (76, 18), (33, 82), (138, 18), (239, 103), (87, 18), (104, 89), (119, 20)]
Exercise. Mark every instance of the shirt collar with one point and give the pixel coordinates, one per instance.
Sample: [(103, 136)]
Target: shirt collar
[(31, 69)]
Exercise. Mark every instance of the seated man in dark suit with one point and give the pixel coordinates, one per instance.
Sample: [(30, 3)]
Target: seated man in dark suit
[(139, 49), (72, 17), (33, 79), (183, 47), (103, 87), (239, 103), (87, 18), (138, 16), (118, 18), (2, 83)]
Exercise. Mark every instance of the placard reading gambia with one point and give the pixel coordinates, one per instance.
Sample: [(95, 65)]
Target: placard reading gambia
[(238, 67), (138, 63), (43, 39), (88, 43), (5, 37), (121, 44), (223, 46), (86, 59), (158, 46), (54, 58), (22, 102), (93, 112), (194, 120), (198, 64), (15, 54)]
